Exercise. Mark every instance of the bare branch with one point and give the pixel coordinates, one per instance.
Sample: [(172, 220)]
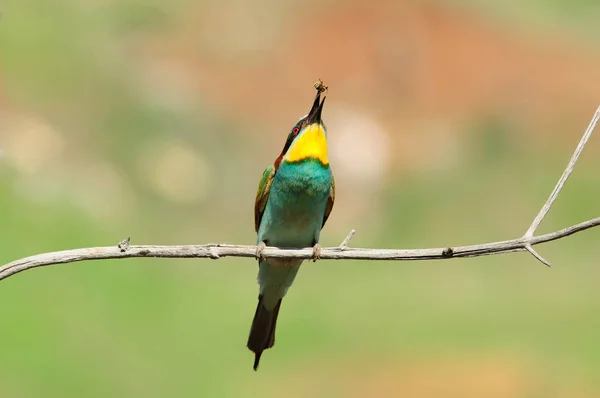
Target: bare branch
[(216, 251), (563, 178), (559, 186)]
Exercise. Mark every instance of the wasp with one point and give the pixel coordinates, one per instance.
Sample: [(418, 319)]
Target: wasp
[(320, 86)]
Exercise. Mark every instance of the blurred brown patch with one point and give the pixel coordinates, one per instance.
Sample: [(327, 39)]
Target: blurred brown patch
[(495, 377), (405, 61), (425, 74)]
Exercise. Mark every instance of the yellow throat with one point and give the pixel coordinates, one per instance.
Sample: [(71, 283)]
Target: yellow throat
[(312, 143)]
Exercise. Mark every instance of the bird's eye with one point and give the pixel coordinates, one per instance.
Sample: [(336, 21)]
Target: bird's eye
[(296, 130)]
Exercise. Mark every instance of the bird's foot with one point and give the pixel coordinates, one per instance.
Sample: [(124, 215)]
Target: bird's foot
[(260, 248), (316, 255)]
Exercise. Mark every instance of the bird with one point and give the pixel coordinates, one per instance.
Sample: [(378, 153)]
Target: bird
[(294, 200)]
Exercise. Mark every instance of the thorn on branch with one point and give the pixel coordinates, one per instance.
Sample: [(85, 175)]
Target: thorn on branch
[(537, 255), (213, 254), (345, 242), (124, 244)]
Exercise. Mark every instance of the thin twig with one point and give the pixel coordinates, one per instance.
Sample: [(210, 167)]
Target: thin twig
[(216, 251), (563, 178), (559, 186)]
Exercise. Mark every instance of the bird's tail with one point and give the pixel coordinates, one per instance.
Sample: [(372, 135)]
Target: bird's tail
[(262, 332)]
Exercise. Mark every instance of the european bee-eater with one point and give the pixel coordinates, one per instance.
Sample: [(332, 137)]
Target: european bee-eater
[(295, 197)]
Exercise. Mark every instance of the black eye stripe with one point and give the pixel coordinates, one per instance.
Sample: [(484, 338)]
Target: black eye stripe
[(293, 134)]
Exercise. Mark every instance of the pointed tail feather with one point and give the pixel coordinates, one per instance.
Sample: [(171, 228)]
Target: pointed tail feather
[(262, 332)]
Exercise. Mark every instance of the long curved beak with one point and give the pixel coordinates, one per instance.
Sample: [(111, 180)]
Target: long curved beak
[(314, 116)]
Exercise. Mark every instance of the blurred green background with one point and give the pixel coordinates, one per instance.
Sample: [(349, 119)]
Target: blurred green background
[(449, 123)]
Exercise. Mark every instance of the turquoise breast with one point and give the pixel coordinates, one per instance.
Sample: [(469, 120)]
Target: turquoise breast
[(294, 212)]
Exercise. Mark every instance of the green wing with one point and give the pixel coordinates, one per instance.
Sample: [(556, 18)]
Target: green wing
[(264, 188), (330, 201)]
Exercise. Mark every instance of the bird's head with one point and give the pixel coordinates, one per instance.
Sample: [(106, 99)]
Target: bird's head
[(308, 138)]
